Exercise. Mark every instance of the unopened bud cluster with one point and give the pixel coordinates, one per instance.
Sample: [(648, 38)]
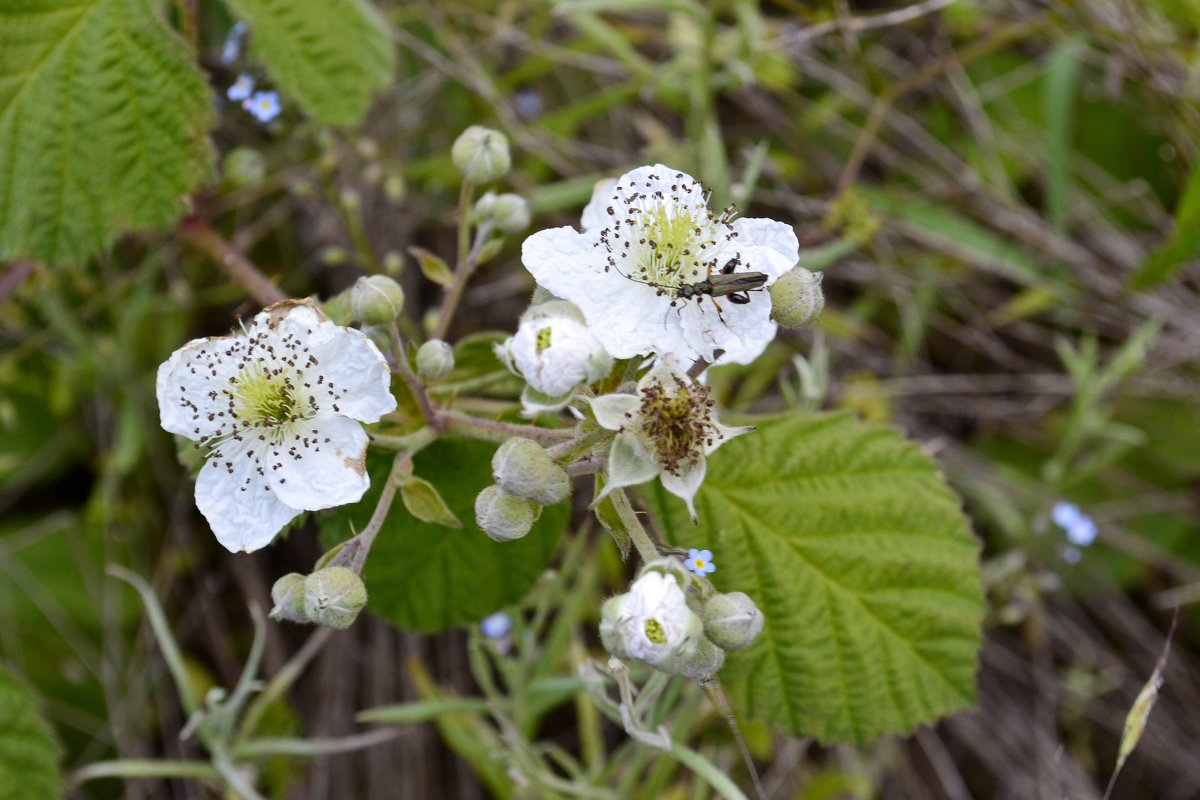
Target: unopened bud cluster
[(527, 478), (332, 596), (508, 212), (435, 360), (663, 623)]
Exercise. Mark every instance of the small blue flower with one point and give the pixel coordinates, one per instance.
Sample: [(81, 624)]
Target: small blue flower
[(263, 106), (232, 48), (497, 626), (700, 561), (241, 88), (1079, 527)]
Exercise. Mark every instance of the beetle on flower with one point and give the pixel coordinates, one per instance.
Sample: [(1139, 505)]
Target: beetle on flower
[(278, 411), (649, 240)]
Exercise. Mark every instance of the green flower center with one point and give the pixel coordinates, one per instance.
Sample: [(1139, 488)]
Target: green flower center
[(678, 421), (543, 339), (668, 257), (655, 632), (262, 398)]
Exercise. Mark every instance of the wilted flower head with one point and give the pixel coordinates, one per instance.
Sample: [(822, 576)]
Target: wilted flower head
[(667, 430), (555, 353), (651, 622), (277, 411), (645, 239)]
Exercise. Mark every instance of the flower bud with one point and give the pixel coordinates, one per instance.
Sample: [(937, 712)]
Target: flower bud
[(288, 596), (732, 621), (508, 212), (376, 300), (503, 516), (481, 154), (554, 352), (523, 468), (244, 166), (702, 665), (651, 622), (796, 298), (333, 596), (435, 360)]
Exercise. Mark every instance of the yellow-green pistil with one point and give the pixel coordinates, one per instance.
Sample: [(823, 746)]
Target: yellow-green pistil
[(263, 399), (655, 632), (678, 422)]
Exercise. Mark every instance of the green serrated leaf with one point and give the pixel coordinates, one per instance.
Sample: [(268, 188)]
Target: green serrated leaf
[(28, 752), (863, 564), (423, 501), (432, 266), (330, 55), (428, 577), (103, 125)]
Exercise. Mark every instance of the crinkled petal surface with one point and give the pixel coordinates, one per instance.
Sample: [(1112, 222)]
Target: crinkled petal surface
[(330, 470), (238, 503), (184, 382)]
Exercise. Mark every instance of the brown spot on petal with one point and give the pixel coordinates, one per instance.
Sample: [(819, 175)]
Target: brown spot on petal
[(358, 464), (278, 311)]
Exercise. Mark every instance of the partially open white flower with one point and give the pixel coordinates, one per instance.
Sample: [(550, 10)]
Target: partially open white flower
[(651, 622), (644, 239), (279, 412), (555, 353), (667, 430)]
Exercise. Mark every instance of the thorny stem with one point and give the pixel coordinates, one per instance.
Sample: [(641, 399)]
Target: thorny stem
[(412, 381), (467, 256), (204, 238)]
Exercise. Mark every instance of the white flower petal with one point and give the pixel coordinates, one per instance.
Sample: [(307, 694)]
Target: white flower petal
[(680, 190), (242, 510), (686, 484), (559, 258), (322, 465), (742, 330), (727, 433), (595, 213), (357, 380), (613, 410), (767, 246), (554, 354), (184, 384), (629, 463)]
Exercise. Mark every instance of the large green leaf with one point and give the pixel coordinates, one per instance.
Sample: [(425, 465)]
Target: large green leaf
[(103, 125), (428, 577), (329, 55), (863, 564), (28, 753)]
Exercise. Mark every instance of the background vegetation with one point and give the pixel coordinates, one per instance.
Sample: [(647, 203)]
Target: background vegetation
[(1002, 196)]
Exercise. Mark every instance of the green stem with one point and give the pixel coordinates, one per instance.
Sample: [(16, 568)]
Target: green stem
[(490, 430), (464, 265), (283, 680), (310, 748), (144, 768), (642, 542), (411, 380), (162, 631)]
